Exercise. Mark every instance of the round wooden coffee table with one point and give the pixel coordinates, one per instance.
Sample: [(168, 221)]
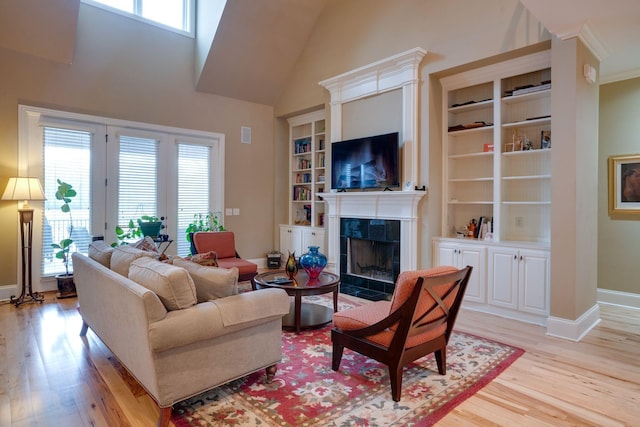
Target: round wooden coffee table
[(302, 315)]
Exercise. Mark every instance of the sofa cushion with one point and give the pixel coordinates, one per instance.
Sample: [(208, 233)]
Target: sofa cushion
[(211, 282), (101, 252), (123, 256), (172, 284)]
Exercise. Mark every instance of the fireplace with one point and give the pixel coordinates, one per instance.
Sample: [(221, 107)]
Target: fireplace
[(369, 257), (379, 216)]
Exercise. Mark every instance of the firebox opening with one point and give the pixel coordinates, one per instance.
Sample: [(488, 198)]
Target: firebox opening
[(370, 259)]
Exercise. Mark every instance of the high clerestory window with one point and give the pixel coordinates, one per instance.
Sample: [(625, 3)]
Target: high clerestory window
[(176, 15)]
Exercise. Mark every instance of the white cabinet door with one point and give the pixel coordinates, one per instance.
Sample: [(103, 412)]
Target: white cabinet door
[(313, 237), (460, 255), (476, 257), (503, 277), (519, 279), (534, 281), (290, 240), (447, 254)]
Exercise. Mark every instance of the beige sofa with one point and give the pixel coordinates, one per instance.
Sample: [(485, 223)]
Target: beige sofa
[(171, 340)]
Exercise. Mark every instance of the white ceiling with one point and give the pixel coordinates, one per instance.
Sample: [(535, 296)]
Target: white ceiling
[(611, 29)]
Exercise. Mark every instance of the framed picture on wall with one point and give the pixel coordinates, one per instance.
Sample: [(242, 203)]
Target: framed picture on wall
[(624, 184)]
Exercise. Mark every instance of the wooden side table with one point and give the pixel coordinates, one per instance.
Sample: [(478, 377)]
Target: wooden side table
[(302, 315)]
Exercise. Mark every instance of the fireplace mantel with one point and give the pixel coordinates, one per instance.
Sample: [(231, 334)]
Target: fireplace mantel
[(398, 205)]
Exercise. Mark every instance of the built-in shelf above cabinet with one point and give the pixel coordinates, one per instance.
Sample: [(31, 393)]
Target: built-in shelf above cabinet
[(497, 149)]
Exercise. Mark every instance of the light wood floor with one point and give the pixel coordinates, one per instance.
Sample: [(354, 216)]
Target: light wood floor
[(50, 376)]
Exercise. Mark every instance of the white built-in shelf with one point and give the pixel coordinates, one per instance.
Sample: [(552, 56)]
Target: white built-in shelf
[(546, 176), (527, 152), (520, 202), (470, 107), (526, 97), (472, 130), (489, 178), (474, 202), (532, 122), (468, 155)]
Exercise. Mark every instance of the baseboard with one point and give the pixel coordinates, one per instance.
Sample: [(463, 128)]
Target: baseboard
[(262, 262), (574, 330), (7, 291), (625, 299)]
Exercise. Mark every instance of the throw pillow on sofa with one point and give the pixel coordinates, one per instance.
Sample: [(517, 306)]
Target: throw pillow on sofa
[(123, 256), (211, 282), (101, 252), (209, 259), (172, 284)]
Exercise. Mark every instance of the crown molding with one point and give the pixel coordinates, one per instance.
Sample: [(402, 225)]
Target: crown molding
[(589, 38)]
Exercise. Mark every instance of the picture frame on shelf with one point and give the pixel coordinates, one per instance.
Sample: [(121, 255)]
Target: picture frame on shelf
[(624, 185)]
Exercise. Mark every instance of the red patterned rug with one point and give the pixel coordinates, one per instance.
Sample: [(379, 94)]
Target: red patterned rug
[(307, 392)]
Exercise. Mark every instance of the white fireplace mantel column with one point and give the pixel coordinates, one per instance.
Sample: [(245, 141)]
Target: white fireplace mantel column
[(395, 205)]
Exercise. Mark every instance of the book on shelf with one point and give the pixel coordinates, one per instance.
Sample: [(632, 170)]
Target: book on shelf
[(302, 145), (301, 194), (481, 221)]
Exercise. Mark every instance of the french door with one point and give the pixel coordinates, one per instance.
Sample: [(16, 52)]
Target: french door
[(121, 171)]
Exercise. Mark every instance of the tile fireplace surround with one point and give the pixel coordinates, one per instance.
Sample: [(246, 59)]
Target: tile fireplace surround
[(390, 205)]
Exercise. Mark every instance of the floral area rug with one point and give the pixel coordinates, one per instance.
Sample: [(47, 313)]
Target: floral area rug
[(307, 392)]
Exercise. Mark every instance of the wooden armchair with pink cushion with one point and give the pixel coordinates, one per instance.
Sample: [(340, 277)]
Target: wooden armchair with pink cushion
[(224, 245), (416, 322)]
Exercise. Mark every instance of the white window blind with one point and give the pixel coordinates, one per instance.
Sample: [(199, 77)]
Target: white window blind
[(137, 178), (194, 176), (67, 157)]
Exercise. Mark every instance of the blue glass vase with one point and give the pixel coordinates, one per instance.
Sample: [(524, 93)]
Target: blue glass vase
[(313, 262)]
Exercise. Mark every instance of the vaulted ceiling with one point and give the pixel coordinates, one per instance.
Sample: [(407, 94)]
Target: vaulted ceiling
[(253, 51)]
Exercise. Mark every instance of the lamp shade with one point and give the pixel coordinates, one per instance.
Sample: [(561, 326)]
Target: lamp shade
[(23, 188)]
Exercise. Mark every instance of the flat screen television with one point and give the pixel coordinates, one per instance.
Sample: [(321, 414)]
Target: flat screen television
[(370, 162)]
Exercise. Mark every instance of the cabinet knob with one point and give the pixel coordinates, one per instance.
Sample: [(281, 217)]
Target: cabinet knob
[(520, 257), (515, 257)]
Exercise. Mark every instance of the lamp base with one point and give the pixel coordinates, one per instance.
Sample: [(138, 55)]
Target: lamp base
[(30, 297)]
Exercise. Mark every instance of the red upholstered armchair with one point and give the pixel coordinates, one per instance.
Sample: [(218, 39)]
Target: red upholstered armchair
[(416, 322), (224, 245)]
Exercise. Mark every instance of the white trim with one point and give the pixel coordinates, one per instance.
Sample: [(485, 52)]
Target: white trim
[(394, 205), (191, 17), (624, 299), (617, 77), (574, 330)]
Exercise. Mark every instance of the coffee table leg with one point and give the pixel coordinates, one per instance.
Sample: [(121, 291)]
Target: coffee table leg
[(297, 311), (335, 301)]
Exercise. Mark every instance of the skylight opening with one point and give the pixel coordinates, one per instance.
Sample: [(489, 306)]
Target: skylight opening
[(174, 15)]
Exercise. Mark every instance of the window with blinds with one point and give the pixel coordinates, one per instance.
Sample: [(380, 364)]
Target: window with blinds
[(121, 171), (67, 157), (137, 179), (194, 162)]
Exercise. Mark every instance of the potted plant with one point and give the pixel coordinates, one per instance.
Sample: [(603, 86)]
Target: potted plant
[(150, 225), (146, 225), (66, 286), (202, 222), (132, 232)]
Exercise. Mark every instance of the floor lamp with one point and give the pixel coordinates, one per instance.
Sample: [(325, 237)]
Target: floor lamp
[(25, 189)]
